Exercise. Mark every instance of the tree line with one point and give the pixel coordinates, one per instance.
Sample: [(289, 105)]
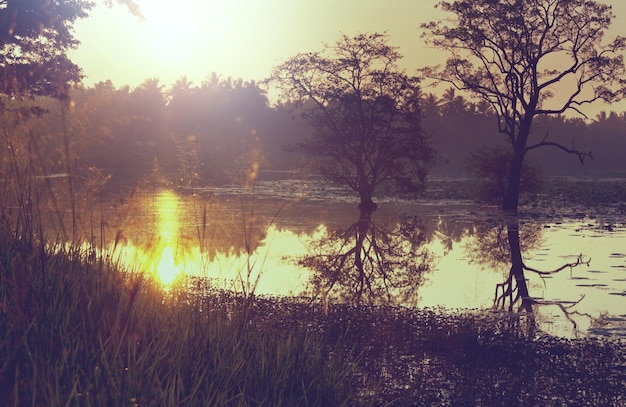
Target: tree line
[(198, 133)]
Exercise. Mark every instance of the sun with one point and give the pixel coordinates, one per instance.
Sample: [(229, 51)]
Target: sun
[(197, 37), (170, 34), (194, 38), (190, 33)]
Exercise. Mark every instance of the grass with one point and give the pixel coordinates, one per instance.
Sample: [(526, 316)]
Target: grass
[(79, 332)]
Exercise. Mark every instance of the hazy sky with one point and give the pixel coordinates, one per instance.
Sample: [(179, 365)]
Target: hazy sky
[(243, 38), (238, 38)]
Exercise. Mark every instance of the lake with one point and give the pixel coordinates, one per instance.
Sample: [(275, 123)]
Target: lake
[(456, 253)]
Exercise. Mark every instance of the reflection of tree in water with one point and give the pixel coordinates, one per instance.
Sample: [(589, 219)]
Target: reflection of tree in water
[(368, 262), (489, 246), (451, 231), (504, 243)]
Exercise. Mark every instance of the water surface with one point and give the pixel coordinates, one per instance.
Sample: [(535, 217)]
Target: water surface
[(252, 240)]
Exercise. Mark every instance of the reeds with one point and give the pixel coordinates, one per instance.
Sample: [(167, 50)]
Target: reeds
[(100, 335)]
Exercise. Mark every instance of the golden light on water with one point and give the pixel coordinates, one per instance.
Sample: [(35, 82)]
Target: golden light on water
[(164, 255), (170, 254), (271, 267)]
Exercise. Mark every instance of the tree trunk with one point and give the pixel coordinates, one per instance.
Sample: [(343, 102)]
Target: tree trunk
[(366, 192), (510, 202)]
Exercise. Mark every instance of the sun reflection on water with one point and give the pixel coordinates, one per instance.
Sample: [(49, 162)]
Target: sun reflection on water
[(164, 255), (169, 254)]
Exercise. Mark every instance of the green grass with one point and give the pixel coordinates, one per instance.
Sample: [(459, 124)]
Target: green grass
[(80, 332)]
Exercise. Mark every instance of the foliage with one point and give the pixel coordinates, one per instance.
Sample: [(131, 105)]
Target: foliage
[(222, 124), (35, 37), (505, 53), (195, 142), (492, 167), (364, 112)]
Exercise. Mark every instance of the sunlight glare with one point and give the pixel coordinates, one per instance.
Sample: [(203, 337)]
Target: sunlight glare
[(178, 33), (163, 253)]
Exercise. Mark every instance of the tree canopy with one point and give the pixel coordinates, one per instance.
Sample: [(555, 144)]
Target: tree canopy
[(528, 58), (364, 112), (35, 36)]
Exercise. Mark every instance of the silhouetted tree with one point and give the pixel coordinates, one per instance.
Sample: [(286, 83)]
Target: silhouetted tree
[(35, 37), (430, 105), (517, 55), (364, 112), (491, 165), (219, 125)]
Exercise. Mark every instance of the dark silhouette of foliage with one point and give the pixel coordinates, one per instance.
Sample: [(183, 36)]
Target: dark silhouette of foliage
[(364, 112), (505, 53), (35, 37), (224, 122), (491, 165)]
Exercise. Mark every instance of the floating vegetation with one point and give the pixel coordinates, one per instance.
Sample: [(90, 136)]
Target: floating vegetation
[(464, 357)]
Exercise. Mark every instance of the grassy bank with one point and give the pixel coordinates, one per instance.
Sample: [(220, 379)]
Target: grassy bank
[(78, 331)]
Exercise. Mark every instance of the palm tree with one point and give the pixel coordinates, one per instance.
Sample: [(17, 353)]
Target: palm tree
[(182, 86), (431, 105), (453, 105)]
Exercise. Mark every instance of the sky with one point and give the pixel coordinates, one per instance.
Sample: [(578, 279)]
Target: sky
[(244, 38)]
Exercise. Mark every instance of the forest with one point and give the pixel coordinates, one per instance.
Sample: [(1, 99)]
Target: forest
[(210, 133)]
